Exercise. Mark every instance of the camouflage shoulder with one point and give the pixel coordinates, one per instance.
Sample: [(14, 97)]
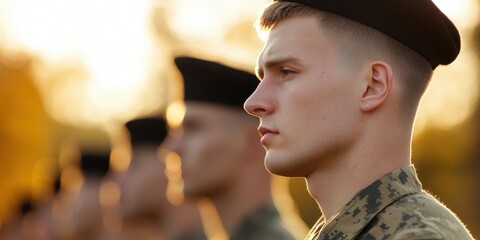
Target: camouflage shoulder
[(417, 216)]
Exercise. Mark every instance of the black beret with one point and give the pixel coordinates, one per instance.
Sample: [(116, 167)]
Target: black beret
[(94, 163), (147, 130), (213, 82), (418, 24)]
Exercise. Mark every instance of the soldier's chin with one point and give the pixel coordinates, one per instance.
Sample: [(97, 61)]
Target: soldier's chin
[(284, 170)]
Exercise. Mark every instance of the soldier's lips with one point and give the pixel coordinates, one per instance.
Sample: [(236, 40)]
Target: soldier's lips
[(267, 135)]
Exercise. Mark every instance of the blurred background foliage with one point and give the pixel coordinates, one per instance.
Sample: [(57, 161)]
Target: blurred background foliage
[(72, 72)]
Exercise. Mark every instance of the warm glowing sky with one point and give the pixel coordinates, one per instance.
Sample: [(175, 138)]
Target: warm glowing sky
[(115, 43)]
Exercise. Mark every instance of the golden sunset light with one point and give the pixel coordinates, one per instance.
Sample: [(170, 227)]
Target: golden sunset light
[(76, 71)]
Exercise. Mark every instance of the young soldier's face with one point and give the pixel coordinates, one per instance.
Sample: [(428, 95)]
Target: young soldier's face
[(144, 185), (212, 148), (305, 101)]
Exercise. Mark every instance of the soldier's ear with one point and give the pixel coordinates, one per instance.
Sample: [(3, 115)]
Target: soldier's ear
[(377, 86)]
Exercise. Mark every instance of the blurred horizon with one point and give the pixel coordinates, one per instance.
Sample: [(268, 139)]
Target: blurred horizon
[(73, 72)]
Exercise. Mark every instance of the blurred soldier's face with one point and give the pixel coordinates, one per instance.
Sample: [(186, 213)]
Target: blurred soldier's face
[(87, 217), (212, 145), (144, 185), (307, 98)]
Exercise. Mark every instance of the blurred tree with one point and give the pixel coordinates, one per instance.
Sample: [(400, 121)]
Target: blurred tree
[(24, 133), (475, 157), (446, 169), (476, 117)]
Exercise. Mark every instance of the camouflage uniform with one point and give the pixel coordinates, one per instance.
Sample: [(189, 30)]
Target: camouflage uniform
[(264, 224), (393, 207)]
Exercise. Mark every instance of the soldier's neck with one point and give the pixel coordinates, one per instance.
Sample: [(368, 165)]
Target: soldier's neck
[(336, 181)]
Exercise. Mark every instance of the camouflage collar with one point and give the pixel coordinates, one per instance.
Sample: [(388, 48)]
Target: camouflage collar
[(355, 216)]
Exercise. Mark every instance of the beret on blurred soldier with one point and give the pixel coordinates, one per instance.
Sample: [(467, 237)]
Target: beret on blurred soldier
[(418, 24), (95, 163), (213, 82), (152, 130)]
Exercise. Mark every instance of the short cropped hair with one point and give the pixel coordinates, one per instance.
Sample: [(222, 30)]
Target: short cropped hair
[(413, 70)]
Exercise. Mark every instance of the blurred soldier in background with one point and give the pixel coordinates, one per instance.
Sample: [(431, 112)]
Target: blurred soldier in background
[(145, 209), (87, 220), (34, 218), (222, 159), (20, 224)]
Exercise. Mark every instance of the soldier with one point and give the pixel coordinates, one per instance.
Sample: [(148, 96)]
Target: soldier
[(340, 83), (221, 157), (145, 209), (87, 217)]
